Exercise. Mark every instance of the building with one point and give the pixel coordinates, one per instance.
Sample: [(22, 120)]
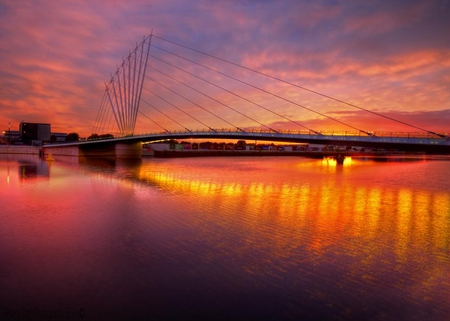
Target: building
[(9, 136), (34, 133), (58, 137)]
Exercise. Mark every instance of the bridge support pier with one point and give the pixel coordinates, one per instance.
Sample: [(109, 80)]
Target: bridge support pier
[(63, 151), (129, 151), (118, 150)]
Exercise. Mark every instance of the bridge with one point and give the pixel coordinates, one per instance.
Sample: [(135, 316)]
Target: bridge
[(185, 91)]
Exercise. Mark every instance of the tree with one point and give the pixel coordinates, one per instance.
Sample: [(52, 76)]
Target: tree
[(106, 136), (93, 136), (241, 145), (72, 137)]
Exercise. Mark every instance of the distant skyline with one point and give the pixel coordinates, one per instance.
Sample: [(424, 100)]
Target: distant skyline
[(391, 57)]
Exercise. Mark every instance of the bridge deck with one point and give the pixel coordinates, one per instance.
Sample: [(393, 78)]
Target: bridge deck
[(392, 140)]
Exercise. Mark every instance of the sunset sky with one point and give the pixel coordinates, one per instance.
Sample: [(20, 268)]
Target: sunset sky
[(391, 57)]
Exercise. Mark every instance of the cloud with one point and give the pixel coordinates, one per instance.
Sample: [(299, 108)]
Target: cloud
[(388, 57), (391, 121)]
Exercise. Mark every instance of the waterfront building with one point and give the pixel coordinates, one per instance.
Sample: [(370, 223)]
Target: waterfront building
[(34, 133), (9, 136)]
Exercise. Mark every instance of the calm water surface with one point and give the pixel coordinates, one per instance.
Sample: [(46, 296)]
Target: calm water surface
[(225, 238)]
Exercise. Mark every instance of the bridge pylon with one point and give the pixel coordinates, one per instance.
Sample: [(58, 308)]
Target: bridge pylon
[(123, 92)]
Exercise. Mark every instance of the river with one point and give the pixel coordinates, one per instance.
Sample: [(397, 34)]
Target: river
[(260, 238)]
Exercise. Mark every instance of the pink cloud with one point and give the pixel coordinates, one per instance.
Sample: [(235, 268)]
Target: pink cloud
[(436, 121), (56, 57)]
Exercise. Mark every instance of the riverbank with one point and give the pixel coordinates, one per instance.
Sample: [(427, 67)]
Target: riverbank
[(34, 150), (234, 153), (18, 149)]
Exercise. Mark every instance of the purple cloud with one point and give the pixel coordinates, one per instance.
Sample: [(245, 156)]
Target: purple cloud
[(388, 57)]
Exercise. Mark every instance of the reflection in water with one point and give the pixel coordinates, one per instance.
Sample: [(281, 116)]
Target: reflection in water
[(32, 170), (261, 238), (333, 164), (333, 210), (28, 166)]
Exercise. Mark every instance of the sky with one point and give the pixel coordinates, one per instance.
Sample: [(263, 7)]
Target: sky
[(389, 57)]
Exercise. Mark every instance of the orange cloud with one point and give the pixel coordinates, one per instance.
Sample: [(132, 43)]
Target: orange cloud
[(56, 57)]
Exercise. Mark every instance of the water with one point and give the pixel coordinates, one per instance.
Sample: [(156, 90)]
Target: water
[(225, 238)]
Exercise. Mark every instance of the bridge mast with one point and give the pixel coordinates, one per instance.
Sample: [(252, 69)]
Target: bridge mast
[(125, 87)]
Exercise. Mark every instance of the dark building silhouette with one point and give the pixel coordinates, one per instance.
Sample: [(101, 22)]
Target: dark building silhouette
[(34, 133)]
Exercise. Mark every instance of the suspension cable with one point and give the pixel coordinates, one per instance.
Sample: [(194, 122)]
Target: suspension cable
[(189, 100), (153, 121), (160, 112), (267, 92), (304, 88), (230, 92), (217, 101)]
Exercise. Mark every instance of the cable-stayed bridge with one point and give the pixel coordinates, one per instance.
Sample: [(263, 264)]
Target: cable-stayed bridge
[(176, 92)]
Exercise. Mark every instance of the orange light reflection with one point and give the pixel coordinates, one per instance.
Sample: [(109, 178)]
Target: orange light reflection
[(330, 212)]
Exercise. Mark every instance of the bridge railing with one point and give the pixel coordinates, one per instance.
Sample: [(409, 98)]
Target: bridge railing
[(257, 132), (408, 134), (280, 134), (424, 135), (399, 134)]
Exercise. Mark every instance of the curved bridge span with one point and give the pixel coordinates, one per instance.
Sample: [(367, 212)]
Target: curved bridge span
[(419, 142), (187, 93)]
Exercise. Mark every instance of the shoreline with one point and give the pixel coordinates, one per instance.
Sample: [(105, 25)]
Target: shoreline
[(35, 150), (19, 149), (261, 153)]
